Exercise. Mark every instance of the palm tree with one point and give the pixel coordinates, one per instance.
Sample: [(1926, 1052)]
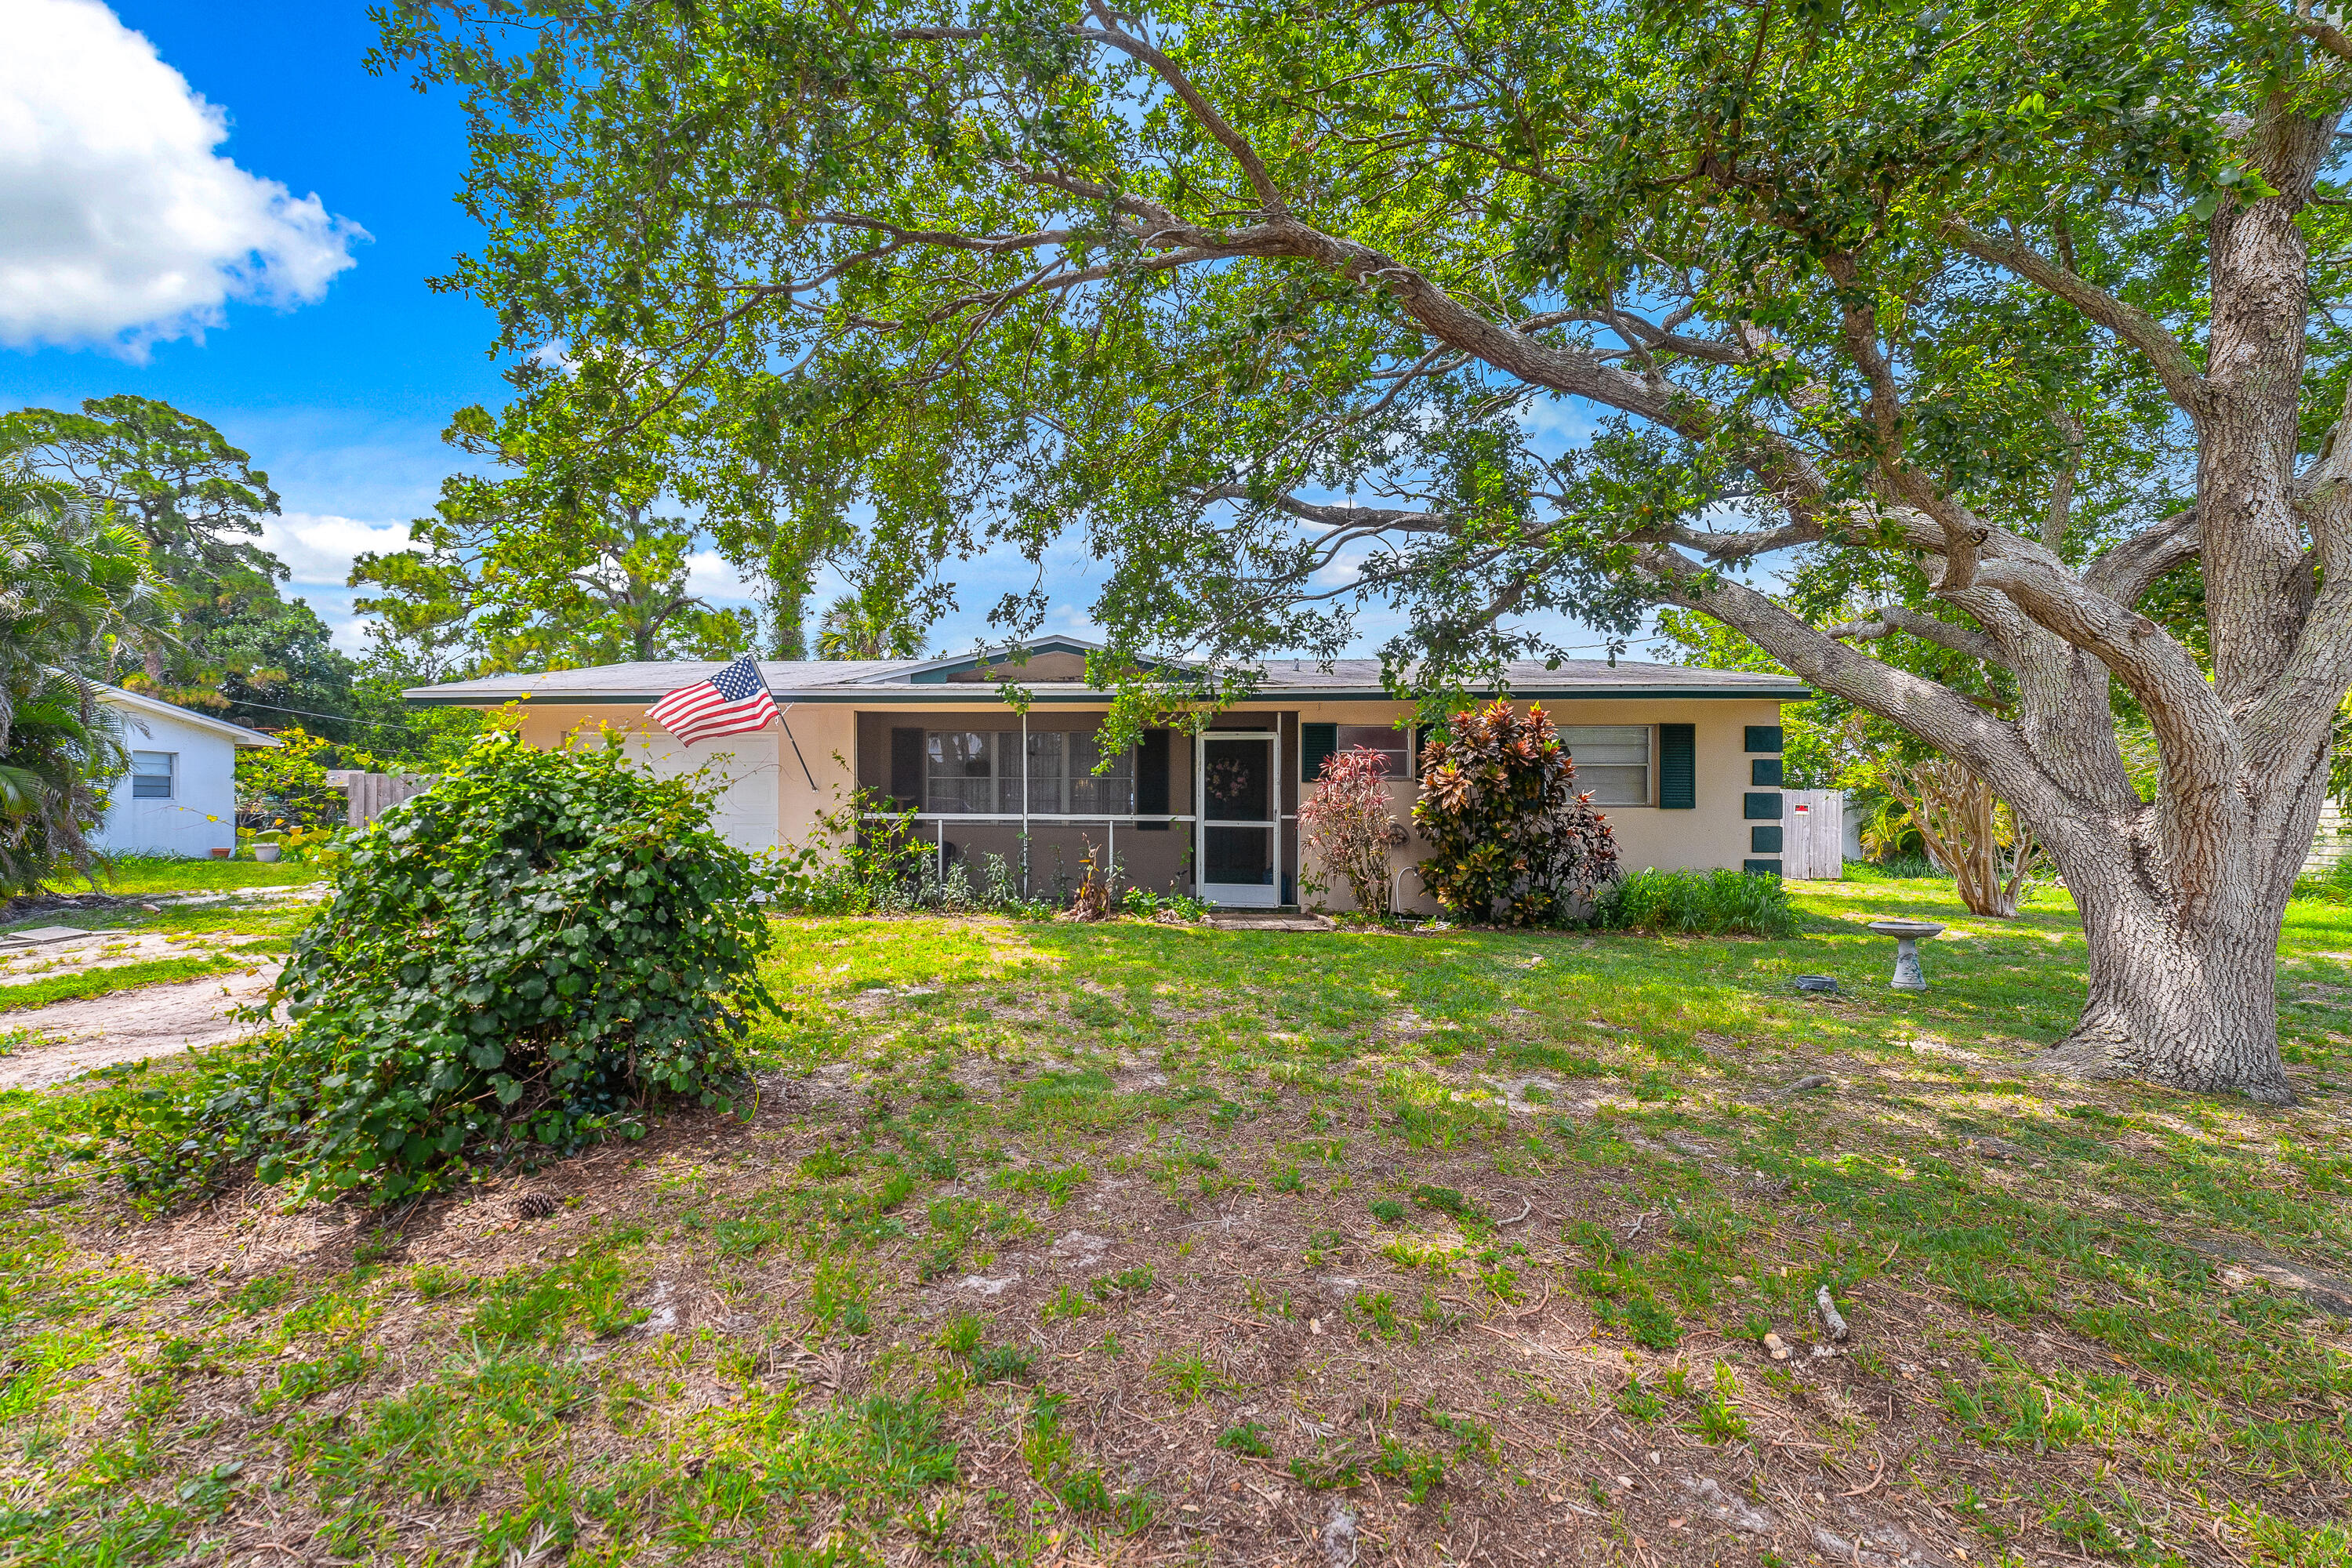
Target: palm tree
[(868, 626), (77, 592)]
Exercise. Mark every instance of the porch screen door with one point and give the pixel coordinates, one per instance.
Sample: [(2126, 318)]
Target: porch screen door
[(1238, 818)]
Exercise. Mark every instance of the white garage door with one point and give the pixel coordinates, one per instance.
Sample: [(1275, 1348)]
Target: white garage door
[(745, 811)]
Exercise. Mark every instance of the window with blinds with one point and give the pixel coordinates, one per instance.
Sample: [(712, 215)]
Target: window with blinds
[(153, 774), (1612, 761), (978, 772)]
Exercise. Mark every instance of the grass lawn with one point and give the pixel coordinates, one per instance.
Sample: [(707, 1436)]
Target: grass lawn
[(30, 994), (1059, 1244), (142, 875)]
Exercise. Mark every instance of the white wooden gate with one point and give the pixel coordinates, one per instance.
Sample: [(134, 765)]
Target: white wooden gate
[(1813, 833)]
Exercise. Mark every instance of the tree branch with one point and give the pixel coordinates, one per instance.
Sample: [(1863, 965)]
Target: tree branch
[(2327, 34), (2174, 368), (2128, 569), (1215, 125), (1885, 620)]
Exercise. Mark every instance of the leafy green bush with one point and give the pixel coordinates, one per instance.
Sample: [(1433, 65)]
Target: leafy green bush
[(1510, 838), (286, 785), (861, 858), (514, 964), (2331, 886), (1701, 903)]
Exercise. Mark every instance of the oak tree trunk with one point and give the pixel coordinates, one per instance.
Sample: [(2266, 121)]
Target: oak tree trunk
[(2194, 1009)]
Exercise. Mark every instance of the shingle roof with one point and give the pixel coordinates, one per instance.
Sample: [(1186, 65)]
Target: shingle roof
[(887, 682)]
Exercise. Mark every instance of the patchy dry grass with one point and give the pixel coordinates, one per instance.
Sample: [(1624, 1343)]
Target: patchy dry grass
[(1057, 1244)]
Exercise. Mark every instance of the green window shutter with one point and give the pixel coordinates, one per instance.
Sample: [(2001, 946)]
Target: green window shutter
[(1764, 840), (1764, 737), (907, 768), (1765, 772), (1315, 744), (1763, 806), (1678, 767)]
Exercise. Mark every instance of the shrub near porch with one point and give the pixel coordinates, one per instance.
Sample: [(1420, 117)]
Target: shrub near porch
[(1054, 1243)]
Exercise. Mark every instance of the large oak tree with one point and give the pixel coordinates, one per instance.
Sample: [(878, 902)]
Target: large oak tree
[(2009, 315)]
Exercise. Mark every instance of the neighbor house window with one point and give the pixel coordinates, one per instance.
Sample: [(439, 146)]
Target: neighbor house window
[(1386, 738), (1612, 761), (153, 774), (979, 771)]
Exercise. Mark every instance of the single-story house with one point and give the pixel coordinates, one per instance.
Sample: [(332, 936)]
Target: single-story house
[(1685, 761), (179, 796)]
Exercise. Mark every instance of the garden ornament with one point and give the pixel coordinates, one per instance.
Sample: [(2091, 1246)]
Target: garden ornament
[(1907, 935)]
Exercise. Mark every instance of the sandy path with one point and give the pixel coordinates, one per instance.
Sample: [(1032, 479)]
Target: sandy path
[(128, 1026)]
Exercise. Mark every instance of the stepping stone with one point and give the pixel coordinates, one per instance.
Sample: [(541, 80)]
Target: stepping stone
[(38, 934)]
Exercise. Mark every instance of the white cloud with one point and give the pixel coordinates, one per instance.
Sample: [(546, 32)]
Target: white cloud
[(709, 574), (118, 223), (318, 548)]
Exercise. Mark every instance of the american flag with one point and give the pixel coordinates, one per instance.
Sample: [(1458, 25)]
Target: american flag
[(735, 701)]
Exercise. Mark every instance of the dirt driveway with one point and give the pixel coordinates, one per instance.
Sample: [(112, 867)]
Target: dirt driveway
[(72, 1038)]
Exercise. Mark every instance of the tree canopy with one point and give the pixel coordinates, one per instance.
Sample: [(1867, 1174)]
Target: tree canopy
[(557, 563), (74, 587), (1988, 317), (197, 501)]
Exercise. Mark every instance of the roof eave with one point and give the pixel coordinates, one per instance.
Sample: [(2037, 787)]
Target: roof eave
[(944, 696), (139, 701)]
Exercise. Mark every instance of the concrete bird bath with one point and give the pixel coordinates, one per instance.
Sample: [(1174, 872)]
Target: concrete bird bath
[(1907, 935)]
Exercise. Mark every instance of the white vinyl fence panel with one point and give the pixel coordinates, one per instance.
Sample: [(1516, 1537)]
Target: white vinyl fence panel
[(2332, 844)]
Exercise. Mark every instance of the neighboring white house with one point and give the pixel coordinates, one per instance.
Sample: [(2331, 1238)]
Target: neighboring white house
[(180, 796)]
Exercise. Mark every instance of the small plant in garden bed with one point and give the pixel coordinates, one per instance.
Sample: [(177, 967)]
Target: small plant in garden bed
[(1698, 903), (1347, 824), (515, 964)]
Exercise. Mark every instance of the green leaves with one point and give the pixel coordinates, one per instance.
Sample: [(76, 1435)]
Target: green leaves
[(478, 991), (1510, 839)]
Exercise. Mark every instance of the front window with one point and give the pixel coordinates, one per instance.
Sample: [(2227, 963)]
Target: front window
[(152, 774), (978, 772), (959, 771), (1385, 739), (1612, 761), (1111, 792)]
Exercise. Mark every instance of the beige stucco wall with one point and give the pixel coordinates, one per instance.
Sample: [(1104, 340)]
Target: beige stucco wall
[(818, 780)]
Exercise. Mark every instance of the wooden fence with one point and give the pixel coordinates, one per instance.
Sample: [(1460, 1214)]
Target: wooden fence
[(1813, 833), (369, 795)]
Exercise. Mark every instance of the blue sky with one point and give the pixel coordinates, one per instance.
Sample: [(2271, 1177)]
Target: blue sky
[(332, 361), (341, 399)]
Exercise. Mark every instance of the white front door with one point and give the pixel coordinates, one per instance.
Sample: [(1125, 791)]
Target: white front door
[(1236, 783)]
